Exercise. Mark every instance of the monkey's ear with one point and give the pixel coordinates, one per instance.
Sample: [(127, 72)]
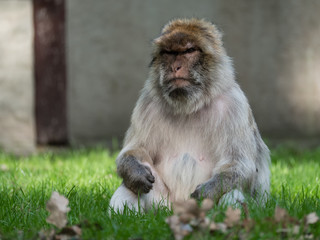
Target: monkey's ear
[(157, 41)]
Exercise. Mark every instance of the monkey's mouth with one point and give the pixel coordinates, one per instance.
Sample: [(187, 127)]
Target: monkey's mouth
[(179, 88), (179, 82), (179, 94)]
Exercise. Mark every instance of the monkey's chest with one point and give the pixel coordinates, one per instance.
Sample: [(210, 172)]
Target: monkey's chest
[(183, 171)]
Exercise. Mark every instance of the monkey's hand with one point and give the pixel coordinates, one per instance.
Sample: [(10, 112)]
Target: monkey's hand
[(136, 176), (216, 186), (204, 190)]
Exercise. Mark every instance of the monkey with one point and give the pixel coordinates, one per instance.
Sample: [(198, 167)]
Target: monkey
[(192, 131)]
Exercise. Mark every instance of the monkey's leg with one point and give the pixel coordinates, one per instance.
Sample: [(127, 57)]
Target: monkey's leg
[(156, 197), (234, 197), (225, 186), (123, 196)]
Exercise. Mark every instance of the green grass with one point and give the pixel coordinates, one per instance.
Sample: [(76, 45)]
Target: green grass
[(87, 177)]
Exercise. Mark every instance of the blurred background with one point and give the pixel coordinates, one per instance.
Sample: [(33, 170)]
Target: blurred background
[(71, 70)]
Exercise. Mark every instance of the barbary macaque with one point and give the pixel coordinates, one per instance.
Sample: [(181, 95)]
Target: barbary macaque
[(192, 131)]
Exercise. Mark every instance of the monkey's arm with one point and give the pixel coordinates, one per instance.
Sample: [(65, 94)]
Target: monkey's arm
[(217, 186), (237, 162), (136, 175), (134, 160)]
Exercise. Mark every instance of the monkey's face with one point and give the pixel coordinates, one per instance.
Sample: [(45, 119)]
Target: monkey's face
[(183, 71), (184, 61), (180, 70)]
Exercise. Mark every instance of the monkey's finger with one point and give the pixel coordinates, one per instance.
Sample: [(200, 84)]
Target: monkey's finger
[(147, 188), (151, 178), (193, 195), (196, 194), (148, 169)]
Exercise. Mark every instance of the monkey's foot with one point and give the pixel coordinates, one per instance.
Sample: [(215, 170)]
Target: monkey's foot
[(234, 198)]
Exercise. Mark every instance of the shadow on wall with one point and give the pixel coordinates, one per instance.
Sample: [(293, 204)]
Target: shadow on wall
[(277, 53), (300, 59)]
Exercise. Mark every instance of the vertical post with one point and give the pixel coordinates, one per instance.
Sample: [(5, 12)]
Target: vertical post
[(50, 72)]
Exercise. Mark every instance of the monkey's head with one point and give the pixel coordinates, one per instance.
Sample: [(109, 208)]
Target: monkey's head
[(185, 64)]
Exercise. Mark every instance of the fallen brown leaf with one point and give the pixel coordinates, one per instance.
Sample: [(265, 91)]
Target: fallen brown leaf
[(58, 208), (213, 227), (207, 204), (191, 219), (280, 214), (46, 234), (232, 216), (308, 236), (205, 222), (4, 168), (312, 218), (296, 229), (248, 224), (218, 227), (179, 229), (66, 233), (222, 227), (188, 206), (186, 217), (73, 232)]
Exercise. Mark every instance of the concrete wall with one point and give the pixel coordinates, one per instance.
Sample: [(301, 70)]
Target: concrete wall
[(276, 49), (274, 44), (16, 77)]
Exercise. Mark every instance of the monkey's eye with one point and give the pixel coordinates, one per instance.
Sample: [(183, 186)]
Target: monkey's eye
[(190, 50), (163, 52)]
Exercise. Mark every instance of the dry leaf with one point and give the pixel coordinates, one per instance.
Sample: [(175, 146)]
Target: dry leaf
[(46, 234), (213, 227), (222, 227), (232, 217), (58, 208), (296, 229), (207, 204), (189, 206), (218, 226), (179, 229), (173, 221), (190, 218), (4, 168), (248, 224), (186, 229), (284, 231), (312, 218), (280, 214), (195, 222), (73, 232), (186, 217), (308, 236), (204, 224)]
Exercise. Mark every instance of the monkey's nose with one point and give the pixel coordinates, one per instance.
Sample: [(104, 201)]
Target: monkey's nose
[(176, 65), (176, 68)]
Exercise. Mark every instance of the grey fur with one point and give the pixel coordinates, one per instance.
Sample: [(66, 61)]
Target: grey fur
[(205, 146)]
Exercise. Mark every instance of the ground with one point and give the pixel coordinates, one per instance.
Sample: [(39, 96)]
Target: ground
[(87, 177)]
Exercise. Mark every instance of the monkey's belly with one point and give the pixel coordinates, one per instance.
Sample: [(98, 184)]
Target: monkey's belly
[(183, 173)]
